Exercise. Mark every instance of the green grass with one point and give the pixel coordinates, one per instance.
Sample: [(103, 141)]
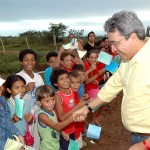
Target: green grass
[(9, 63)]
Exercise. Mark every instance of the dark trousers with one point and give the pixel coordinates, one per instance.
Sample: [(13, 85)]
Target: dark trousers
[(63, 143), (137, 138)]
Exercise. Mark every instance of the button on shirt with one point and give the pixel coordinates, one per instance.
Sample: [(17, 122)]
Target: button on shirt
[(133, 78)]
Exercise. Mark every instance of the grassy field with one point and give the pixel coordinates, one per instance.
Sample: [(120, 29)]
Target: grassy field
[(9, 63)]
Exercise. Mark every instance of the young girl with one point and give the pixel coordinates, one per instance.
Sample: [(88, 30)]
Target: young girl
[(13, 86), (65, 102), (48, 126), (64, 60), (7, 128), (94, 77)]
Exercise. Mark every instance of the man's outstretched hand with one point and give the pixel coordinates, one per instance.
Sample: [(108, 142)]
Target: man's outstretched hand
[(80, 115)]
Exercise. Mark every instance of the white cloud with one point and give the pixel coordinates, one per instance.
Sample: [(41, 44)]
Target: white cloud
[(89, 23)]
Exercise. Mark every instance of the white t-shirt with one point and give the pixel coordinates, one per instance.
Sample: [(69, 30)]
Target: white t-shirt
[(38, 82)]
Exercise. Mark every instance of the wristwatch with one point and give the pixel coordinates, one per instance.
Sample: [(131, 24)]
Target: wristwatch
[(88, 107)]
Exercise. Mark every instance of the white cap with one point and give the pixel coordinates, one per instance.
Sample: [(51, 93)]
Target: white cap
[(1, 81)]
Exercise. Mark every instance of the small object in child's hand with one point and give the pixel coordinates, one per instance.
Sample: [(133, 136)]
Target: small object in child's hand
[(19, 103)]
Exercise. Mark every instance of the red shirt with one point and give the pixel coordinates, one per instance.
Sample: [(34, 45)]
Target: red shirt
[(67, 69), (79, 126), (92, 85), (68, 102)]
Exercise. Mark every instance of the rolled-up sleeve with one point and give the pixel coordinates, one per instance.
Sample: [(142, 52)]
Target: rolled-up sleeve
[(112, 87)]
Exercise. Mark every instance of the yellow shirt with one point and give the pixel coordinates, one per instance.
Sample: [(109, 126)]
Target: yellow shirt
[(133, 78)]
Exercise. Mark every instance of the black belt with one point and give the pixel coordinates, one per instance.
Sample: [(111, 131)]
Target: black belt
[(141, 134)]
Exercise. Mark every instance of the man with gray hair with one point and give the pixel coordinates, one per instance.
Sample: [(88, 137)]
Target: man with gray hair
[(126, 35)]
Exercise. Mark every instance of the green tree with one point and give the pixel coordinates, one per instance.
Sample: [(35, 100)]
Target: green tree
[(77, 33), (40, 37), (58, 29)]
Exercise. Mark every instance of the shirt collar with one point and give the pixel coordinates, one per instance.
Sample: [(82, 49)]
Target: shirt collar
[(143, 53)]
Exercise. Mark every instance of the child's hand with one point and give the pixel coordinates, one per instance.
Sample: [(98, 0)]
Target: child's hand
[(95, 82), (21, 139), (85, 97), (102, 71), (15, 118), (65, 135), (30, 86), (28, 117), (92, 67)]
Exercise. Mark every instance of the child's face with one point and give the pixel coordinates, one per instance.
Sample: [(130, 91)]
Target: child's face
[(47, 103), (75, 83), (67, 62), (1, 90), (82, 75), (63, 81), (51, 61), (28, 62), (18, 87), (77, 60), (92, 59)]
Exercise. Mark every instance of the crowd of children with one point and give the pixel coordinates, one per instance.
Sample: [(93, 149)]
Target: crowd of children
[(70, 82)]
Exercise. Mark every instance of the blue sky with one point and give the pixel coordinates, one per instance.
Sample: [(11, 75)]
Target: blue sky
[(18, 16)]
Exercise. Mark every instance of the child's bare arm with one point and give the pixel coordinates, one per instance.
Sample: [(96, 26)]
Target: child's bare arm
[(57, 62), (45, 120), (65, 135), (61, 114), (93, 78), (28, 117), (30, 86), (85, 97), (15, 118)]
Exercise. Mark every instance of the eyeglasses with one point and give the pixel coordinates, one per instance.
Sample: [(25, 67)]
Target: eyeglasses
[(116, 43)]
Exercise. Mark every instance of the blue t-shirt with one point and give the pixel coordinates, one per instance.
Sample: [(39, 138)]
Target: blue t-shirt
[(47, 75), (81, 90)]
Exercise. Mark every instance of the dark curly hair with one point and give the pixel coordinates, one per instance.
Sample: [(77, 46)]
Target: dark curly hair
[(25, 52), (51, 54), (55, 75)]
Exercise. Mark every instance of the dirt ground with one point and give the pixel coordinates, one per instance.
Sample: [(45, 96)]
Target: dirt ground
[(114, 136)]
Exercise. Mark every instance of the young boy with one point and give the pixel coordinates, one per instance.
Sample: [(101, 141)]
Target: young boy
[(48, 126), (51, 58), (75, 81), (27, 58)]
